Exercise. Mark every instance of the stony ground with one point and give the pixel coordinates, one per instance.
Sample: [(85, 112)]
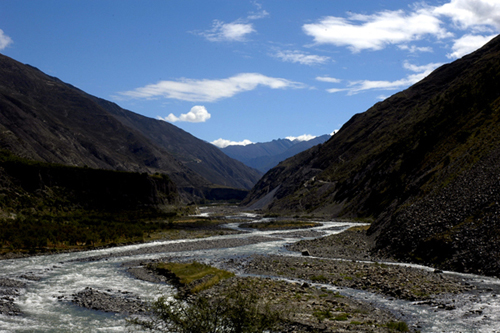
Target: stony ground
[(314, 308), (311, 309), (334, 261)]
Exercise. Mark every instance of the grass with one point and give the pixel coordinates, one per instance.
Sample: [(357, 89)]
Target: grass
[(319, 278), (190, 273), (399, 326), (277, 225)]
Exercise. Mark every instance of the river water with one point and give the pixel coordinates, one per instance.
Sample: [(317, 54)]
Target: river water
[(51, 280)]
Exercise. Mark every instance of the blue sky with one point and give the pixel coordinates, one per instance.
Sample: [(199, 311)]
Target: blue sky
[(243, 70)]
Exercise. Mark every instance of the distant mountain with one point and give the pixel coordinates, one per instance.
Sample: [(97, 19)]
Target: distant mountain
[(45, 119), (266, 155), (424, 165)]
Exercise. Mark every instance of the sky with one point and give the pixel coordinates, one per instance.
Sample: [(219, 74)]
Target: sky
[(243, 71)]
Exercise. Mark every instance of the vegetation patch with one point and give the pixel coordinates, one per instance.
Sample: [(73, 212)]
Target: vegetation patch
[(398, 326), (280, 224), (195, 276), (239, 310)]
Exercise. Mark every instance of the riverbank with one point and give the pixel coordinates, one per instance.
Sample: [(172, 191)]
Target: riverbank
[(322, 278)]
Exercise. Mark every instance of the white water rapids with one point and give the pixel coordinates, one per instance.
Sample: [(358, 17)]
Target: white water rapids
[(50, 278)]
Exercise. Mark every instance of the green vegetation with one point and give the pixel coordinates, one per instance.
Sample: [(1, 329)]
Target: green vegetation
[(50, 207), (399, 326), (279, 224), (76, 229), (198, 276), (319, 278), (341, 317), (235, 312), (322, 315)]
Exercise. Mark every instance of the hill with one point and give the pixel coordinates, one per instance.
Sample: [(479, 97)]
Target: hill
[(45, 119), (424, 165), (265, 155)]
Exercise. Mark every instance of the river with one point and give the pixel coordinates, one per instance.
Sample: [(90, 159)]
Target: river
[(49, 281)]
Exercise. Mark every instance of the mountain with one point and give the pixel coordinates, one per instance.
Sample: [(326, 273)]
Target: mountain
[(265, 155), (45, 119), (424, 165)]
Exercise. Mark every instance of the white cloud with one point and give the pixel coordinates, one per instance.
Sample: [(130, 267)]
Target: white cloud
[(355, 87), (209, 90), (221, 143), (197, 114), (425, 69), (336, 90), (4, 40), (415, 49), (236, 31), (228, 32), (467, 44), (301, 58), (304, 137), (328, 79), (479, 15), (374, 32)]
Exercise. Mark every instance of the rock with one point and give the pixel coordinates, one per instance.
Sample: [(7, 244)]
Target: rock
[(97, 300), (305, 252)]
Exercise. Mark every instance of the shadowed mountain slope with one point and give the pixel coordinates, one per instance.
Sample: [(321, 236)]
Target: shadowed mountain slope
[(200, 156), (423, 164), (265, 155), (45, 119)]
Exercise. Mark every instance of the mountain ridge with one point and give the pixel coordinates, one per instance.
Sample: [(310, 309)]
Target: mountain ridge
[(416, 146), (265, 155), (44, 119)]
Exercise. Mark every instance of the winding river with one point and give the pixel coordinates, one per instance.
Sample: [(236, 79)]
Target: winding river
[(49, 281)]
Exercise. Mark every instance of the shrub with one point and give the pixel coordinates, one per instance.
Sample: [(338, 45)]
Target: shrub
[(236, 312), (399, 326)]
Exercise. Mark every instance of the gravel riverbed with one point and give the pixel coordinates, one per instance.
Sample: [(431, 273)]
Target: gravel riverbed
[(308, 283)]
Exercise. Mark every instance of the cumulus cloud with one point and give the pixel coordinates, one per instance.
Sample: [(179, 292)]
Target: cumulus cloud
[(228, 32), (209, 90), (467, 44), (221, 143), (304, 137), (197, 114), (374, 32), (301, 58), (4, 40), (480, 15)]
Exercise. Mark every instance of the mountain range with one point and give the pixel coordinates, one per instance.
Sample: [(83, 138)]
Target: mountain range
[(47, 120), (423, 165), (265, 155)]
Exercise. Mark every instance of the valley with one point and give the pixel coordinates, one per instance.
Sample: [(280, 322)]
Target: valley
[(392, 224), (73, 291)]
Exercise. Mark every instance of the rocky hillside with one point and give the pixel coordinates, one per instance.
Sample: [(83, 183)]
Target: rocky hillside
[(424, 165), (45, 119), (265, 155)]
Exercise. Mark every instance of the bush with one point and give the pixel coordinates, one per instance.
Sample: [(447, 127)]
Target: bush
[(236, 312), (399, 326)]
